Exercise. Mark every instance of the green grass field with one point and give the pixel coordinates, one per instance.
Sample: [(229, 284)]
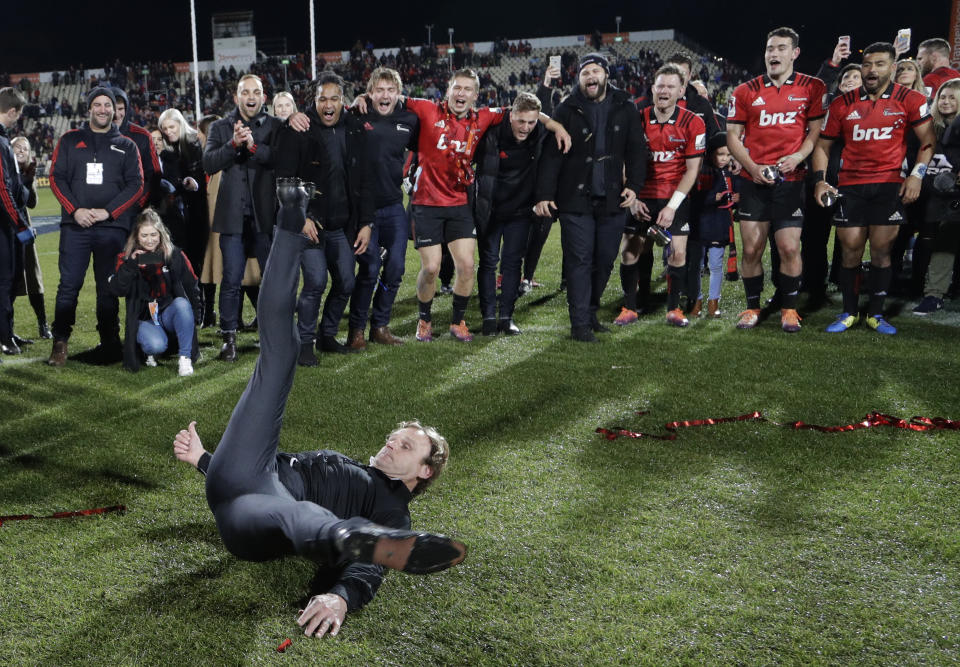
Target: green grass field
[(47, 204), (744, 543)]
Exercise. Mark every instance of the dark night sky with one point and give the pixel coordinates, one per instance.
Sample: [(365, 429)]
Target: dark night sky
[(40, 36)]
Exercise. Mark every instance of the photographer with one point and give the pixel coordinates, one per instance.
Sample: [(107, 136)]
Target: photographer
[(161, 292)]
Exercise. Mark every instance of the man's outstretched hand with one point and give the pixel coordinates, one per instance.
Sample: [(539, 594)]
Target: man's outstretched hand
[(324, 613), (187, 446)]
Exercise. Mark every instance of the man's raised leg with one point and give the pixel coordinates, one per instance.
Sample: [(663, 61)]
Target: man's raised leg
[(246, 455)]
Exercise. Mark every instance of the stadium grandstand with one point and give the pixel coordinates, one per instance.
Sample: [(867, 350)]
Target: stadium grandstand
[(506, 67)]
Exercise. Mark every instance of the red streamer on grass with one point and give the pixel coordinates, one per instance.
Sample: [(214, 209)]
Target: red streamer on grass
[(871, 420), (620, 432), (64, 515), (710, 421), (283, 646), (879, 419)]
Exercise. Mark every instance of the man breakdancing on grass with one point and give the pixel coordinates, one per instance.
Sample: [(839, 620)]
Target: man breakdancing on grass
[(319, 505)]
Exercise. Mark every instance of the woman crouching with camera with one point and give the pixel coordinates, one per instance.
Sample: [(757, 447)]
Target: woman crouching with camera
[(161, 292)]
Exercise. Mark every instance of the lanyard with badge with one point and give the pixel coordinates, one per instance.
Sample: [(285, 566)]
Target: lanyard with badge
[(94, 170)]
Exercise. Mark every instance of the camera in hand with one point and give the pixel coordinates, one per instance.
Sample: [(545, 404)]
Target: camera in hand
[(149, 258)]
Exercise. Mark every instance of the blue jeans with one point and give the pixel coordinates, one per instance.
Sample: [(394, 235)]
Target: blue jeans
[(234, 264), (514, 233), (176, 318), (335, 255), (391, 231), (715, 264), (76, 246)]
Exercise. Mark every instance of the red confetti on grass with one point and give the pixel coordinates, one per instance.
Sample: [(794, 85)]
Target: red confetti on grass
[(64, 515), (283, 646), (871, 420)]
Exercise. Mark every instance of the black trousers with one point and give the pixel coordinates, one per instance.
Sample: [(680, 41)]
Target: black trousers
[(8, 265), (77, 244), (590, 244), (504, 242), (257, 517)]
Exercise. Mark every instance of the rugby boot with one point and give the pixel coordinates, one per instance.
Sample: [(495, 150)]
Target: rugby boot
[(843, 322), (880, 325), (404, 550), (676, 318), (790, 320), (461, 332), (626, 317), (749, 318), (424, 331)]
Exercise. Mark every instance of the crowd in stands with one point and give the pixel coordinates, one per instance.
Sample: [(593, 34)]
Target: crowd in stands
[(155, 86)]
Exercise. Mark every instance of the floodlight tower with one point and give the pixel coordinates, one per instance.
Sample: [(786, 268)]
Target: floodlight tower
[(450, 49)]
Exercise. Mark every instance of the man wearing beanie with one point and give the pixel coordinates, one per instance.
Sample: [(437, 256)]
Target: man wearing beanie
[(97, 177), (141, 137), (587, 187)]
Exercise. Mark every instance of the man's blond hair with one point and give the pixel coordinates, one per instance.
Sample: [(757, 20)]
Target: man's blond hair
[(384, 74), (465, 73)]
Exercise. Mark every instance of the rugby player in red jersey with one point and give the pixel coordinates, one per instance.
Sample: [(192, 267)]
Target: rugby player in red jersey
[(449, 134), (676, 139), (772, 122), (933, 56), (872, 122)]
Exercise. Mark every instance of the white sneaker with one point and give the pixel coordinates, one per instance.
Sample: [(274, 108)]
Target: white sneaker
[(186, 367), (151, 362)]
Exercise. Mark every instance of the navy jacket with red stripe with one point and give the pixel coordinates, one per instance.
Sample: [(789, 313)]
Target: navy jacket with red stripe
[(122, 180), (13, 194)]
